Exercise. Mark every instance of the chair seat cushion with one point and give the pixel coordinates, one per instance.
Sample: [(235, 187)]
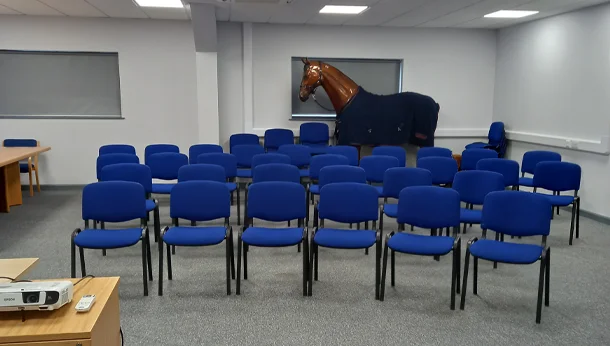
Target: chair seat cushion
[(231, 186), (506, 252), (345, 238), (150, 205), (194, 236), (315, 189), (526, 181), (304, 172), (317, 149), (477, 145), (108, 238), (390, 210), (272, 237), (470, 216), (23, 167), (164, 189), (561, 201), (379, 189), (421, 244), (244, 173)]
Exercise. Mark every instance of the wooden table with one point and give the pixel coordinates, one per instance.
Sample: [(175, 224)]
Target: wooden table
[(16, 267), (65, 327), (10, 180)]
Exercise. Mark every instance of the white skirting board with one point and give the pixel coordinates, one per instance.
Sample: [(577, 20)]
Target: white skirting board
[(440, 133), (601, 146)]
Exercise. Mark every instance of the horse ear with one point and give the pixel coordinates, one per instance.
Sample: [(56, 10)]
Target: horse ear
[(305, 61)]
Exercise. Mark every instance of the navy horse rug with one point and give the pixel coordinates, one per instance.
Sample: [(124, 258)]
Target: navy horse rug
[(397, 119)]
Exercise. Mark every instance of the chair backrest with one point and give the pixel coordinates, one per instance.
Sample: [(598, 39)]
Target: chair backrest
[(341, 174), (470, 157), (243, 139), (433, 151), (134, 172), (166, 165), (557, 176), (508, 168), (262, 159), (348, 202), (110, 159), (398, 152), (376, 165), (152, 149), (346, 150), (202, 171), (114, 201), (429, 207), (274, 138), (117, 149), (314, 134), (443, 169), (517, 213), (320, 161), (245, 152), (398, 178), (300, 155), (496, 133), (275, 172), (473, 186), (532, 158), (198, 149), (276, 201), (200, 201), (16, 142), (227, 161)]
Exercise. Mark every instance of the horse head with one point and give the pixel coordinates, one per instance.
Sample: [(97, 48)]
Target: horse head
[(312, 78)]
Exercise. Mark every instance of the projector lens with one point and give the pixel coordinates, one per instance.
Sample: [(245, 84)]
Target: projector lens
[(31, 298)]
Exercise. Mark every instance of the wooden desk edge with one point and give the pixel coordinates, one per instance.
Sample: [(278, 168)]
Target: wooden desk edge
[(32, 264)]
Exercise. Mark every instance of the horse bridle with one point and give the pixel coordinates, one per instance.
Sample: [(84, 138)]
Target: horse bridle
[(312, 89)]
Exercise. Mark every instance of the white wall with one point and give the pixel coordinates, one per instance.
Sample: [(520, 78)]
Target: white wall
[(158, 89), (456, 67), (552, 80)]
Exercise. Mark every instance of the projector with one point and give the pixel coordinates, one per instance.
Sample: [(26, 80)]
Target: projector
[(44, 295)]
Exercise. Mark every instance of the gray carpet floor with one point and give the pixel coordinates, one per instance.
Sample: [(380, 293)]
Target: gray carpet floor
[(342, 310)]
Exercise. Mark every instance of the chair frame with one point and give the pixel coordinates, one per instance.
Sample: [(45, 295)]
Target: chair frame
[(543, 280), (575, 213)]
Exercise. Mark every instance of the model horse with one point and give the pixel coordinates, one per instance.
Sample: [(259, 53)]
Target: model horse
[(364, 118)]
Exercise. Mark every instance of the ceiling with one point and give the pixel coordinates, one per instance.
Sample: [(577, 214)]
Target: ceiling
[(389, 13)]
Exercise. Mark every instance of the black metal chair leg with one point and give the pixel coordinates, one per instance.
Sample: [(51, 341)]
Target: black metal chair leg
[(475, 272), (169, 263), (83, 269), (572, 222), (160, 291), (392, 268), (464, 231), (548, 277), (454, 269), (299, 247), (148, 256), (144, 265), (497, 239), (310, 269), (232, 255), (383, 273), (577, 218), (459, 266), (238, 278), (540, 288), (465, 279), (173, 249), (315, 263), (157, 223), (377, 267), (305, 271), (228, 260), (238, 207), (246, 249)]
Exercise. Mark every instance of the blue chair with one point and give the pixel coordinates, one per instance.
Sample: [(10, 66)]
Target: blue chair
[(198, 201), (508, 168), (433, 152), (117, 149), (529, 162), (111, 159), (300, 156), (559, 177), (496, 140), (430, 207), (275, 138), (229, 163), (112, 201), (473, 186), (395, 180), (263, 159), (200, 149), (398, 152), (315, 136), (338, 172), (515, 213), (140, 174), (152, 149), (346, 150), (375, 167), (443, 169), (244, 154), (470, 157), (202, 172), (26, 167), (275, 172), (346, 203), (243, 139), (165, 166), (277, 201)]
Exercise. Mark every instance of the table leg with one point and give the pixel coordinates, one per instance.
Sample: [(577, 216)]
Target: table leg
[(10, 187)]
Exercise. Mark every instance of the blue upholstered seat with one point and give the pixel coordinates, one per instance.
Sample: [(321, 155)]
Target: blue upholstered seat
[(470, 216), (273, 237), (304, 172), (561, 200), (150, 205), (390, 210), (526, 181), (506, 252), (23, 168), (315, 189), (194, 236), (162, 188), (231, 186), (345, 238), (421, 244), (108, 239), (379, 190), (244, 173)]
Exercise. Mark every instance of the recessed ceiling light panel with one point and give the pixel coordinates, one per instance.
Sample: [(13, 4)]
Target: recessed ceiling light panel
[(510, 14), (160, 3), (336, 9)]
